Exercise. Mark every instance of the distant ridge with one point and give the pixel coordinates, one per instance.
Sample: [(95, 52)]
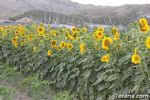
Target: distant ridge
[(15, 9)]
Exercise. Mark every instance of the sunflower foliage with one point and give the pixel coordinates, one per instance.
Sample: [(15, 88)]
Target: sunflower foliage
[(93, 65)]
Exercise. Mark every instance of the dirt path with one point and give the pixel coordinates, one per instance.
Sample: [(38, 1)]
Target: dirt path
[(22, 96), (18, 95)]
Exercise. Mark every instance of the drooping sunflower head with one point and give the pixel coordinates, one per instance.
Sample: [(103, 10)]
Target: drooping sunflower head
[(15, 41), (143, 21), (16, 45), (49, 53), (96, 47), (84, 29), (41, 25), (116, 36), (1, 29), (114, 30), (70, 37), (22, 43), (53, 32), (144, 27), (148, 42), (105, 58), (53, 43), (30, 37), (82, 48), (119, 46), (115, 33)]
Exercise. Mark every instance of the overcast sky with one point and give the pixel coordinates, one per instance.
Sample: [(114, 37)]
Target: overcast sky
[(112, 2)]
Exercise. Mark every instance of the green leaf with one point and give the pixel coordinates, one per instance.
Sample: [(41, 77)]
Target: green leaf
[(112, 77), (87, 74)]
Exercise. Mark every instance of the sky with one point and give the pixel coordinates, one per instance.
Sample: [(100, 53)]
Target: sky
[(112, 2)]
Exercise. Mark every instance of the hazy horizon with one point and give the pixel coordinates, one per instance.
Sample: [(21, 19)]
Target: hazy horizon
[(112, 2)]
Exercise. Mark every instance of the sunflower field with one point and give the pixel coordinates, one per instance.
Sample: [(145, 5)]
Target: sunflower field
[(94, 65)]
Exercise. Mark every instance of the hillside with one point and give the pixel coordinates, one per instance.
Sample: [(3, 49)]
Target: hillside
[(65, 10), (15, 7)]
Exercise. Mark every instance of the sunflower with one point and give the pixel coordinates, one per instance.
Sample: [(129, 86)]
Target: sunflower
[(49, 53), (144, 27), (23, 34), (127, 38), (1, 29), (74, 36), (136, 59), (53, 43), (58, 48), (105, 58), (96, 46), (4, 34), (119, 46), (143, 21), (17, 32), (114, 30), (116, 36), (84, 29), (148, 42), (22, 43), (101, 29), (49, 26), (16, 45), (82, 48), (15, 39), (41, 30), (62, 44), (115, 33), (30, 37), (70, 37), (53, 32), (74, 29), (106, 42), (98, 35), (69, 46), (41, 25)]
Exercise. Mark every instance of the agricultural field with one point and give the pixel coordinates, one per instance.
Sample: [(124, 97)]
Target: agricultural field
[(89, 65)]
